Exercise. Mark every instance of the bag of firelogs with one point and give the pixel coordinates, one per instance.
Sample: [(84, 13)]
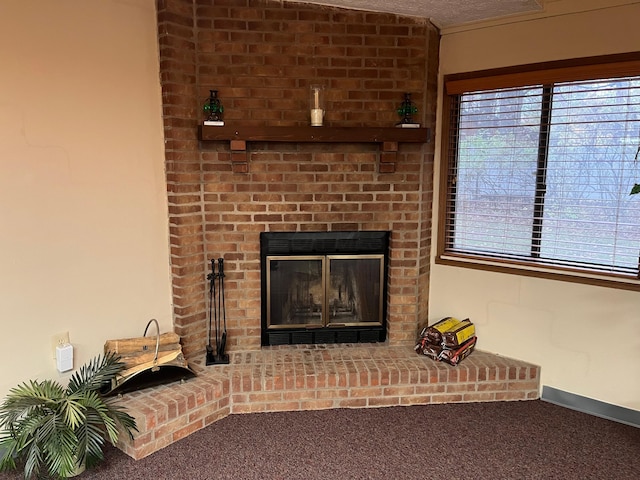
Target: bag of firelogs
[(449, 340)]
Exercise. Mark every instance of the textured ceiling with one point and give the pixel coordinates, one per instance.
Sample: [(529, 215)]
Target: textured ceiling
[(443, 13)]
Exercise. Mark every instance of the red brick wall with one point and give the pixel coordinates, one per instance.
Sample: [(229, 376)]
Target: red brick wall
[(261, 56)]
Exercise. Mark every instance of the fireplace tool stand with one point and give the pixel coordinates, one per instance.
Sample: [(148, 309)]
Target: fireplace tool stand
[(217, 315)]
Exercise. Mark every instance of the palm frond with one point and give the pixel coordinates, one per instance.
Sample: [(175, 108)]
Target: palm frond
[(8, 453), (60, 449), (33, 461), (95, 374), (125, 421), (27, 430), (73, 409), (27, 397), (90, 442), (113, 417), (36, 434)]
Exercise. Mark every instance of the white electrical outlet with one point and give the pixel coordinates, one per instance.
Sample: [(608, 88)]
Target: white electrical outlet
[(58, 339)]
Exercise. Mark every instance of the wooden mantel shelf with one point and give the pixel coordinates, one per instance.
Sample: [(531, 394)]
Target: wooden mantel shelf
[(315, 134), (238, 137)]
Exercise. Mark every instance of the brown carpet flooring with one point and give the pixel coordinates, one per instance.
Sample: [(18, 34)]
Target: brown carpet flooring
[(511, 440)]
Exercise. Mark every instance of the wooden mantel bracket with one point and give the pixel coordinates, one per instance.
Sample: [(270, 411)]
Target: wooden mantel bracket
[(239, 156), (388, 157), (387, 137)]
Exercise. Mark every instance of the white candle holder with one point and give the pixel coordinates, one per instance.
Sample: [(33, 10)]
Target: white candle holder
[(316, 105)]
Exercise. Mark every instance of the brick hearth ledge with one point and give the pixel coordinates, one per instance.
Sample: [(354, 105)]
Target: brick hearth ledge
[(317, 377)]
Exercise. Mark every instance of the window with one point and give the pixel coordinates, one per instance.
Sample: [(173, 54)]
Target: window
[(538, 166)]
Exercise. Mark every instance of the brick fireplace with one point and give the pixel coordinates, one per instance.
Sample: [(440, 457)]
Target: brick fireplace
[(261, 56)]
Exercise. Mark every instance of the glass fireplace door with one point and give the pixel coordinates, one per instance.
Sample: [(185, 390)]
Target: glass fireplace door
[(354, 290), (313, 291), (295, 291)]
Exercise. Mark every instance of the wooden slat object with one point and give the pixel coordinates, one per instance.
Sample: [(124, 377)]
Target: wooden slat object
[(162, 359), (132, 359), (162, 348), (314, 134), (140, 344)]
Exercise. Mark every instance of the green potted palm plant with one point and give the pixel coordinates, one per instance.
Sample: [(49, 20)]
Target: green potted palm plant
[(57, 431)]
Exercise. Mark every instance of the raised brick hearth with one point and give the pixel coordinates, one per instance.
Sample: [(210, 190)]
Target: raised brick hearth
[(319, 377)]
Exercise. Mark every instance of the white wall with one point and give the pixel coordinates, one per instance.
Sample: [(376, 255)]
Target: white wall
[(83, 214), (585, 338)]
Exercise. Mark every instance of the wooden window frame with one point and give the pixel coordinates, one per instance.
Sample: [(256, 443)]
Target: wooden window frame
[(591, 68)]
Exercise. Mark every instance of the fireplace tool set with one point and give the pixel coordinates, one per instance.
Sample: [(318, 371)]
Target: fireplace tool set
[(217, 315)]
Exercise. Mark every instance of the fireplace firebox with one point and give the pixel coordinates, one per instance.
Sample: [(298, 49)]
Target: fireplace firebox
[(323, 287)]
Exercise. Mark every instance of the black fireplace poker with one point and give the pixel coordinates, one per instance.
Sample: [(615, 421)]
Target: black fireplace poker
[(217, 316)]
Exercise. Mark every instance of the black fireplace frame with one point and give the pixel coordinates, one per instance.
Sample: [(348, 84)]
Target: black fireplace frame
[(323, 243)]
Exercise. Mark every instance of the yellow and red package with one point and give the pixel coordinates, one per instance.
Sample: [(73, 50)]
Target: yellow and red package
[(458, 334)]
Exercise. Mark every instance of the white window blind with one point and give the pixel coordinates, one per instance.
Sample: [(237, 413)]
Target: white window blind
[(541, 175)]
